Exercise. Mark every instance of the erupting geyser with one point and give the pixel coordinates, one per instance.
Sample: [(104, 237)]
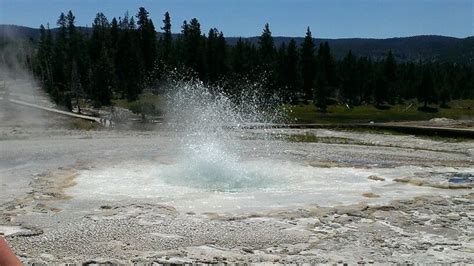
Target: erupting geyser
[(208, 127)]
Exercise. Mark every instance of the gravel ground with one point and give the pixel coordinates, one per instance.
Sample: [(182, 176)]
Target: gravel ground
[(39, 160)]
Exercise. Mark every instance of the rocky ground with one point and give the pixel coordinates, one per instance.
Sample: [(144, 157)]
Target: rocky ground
[(44, 224), (428, 229)]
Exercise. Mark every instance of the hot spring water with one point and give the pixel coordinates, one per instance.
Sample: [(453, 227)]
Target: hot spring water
[(213, 167)]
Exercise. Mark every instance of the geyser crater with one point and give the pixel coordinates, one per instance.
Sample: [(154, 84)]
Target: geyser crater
[(213, 169)]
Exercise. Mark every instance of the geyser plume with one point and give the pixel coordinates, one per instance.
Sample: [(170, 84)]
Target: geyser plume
[(209, 126), (18, 83)]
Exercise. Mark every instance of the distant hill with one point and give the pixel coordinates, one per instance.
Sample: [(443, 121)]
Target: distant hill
[(426, 47), (14, 31)]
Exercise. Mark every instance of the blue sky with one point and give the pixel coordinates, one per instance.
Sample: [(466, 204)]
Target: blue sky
[(327, 18)]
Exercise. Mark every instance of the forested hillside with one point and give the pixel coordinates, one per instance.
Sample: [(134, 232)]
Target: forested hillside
[(425, 48), (120, 57)]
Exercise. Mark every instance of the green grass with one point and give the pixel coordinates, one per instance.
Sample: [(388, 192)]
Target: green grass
[(313, 138), (144, 98), (81, 124), (338, 114), (447, 139)]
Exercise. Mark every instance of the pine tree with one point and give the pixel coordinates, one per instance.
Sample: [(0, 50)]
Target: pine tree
[(444, 93), (291, 63), (44, 56), (102, 80), (60, 60), (390, 73), (266, 47), (185, 29), (349, 79), (211, 51), (180, 46), (380, 89), (280, 71), (128, 62), (147, 38), (325, 77), (216, 55), (329, 65), (409, 81), (221, 54), (167, 40), (365, 80), (238, 58), (72, 33), (73, 43), (114, 32), (114, 40), (76, 86), (308, 66), (100, 36), (65, 51), (193, 47), (266, 64), (426, 92)]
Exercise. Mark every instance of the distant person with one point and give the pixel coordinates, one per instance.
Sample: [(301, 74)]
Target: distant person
[(7, 257)]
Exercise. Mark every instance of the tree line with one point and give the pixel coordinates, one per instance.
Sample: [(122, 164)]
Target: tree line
[(122, 57)]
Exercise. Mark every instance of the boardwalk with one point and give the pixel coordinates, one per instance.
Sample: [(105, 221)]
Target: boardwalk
[(99, 120), (410, 129)]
